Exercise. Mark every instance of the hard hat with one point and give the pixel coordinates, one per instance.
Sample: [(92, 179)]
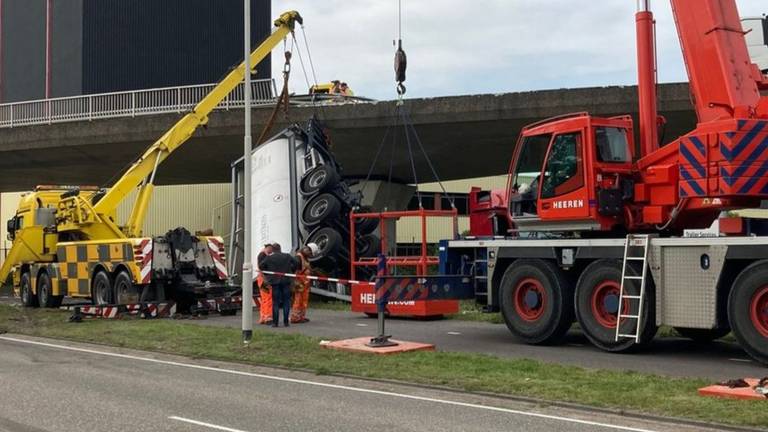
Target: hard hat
[(314, 248)]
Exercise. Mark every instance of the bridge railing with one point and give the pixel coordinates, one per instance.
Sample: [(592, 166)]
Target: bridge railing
[(126, 104)]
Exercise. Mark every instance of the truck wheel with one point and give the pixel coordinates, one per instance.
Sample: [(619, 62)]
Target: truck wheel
[(103, 294), (366, 225), (597, 306), (702, 335), (320, 209), (28, 299), (44, 292), (328, 242), (536, 301), (123, 285), (368, 246), (748, 310), (318, 179)]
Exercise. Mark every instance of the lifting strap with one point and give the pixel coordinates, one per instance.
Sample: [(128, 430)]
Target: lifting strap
[(282, 101)]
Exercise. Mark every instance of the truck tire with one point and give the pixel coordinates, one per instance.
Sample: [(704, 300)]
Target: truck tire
[(28, 299), (368, 246), (597, 306), (748, 310), (102, 290), (319, 179), (702, 336), (366, 225), (328, 242), (536, 301), (45, 295), (123, 284), (319, 209)]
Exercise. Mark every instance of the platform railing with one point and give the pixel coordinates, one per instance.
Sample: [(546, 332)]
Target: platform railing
[(126, 104)]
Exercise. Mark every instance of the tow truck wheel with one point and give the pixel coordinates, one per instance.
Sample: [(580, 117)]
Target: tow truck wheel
[(748, 310), (536, 301), (28, 299), (597, 306), (45, 295), (103, 293), (702, 335)]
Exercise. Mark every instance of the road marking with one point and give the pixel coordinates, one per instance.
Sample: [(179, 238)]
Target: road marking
[(740, 360), (327, 385), (454, 333), (361, 325), (208, 425)]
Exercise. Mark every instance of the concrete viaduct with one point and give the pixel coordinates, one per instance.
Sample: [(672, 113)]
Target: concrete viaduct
[(466, 136)]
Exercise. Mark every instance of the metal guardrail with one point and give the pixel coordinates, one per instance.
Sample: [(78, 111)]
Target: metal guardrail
[(126, 104)]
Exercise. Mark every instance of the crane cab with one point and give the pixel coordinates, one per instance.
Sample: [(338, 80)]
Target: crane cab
[(756, 29), (571, 173)]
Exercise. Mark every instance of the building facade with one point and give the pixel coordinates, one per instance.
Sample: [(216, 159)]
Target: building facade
[(57, 48)]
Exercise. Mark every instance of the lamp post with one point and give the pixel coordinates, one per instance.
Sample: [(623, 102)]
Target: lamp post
[(247, 148)]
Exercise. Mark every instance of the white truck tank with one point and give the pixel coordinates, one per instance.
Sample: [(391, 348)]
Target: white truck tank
[(757, 40)]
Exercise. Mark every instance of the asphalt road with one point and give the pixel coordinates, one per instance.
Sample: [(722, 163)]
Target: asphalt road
[(668, 356), (56, 386)]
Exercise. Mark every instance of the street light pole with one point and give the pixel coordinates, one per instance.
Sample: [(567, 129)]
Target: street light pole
[(247, 148)]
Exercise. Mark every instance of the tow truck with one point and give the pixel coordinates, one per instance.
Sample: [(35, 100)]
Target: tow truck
[(66, 241), (588, 231)]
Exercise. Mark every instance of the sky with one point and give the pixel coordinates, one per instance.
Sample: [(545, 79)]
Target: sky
[(459, 47)]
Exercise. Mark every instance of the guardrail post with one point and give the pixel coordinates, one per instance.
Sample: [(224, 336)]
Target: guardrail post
[(133, 104), (178, 99), (11, 115), (48, 110), (90, 108)]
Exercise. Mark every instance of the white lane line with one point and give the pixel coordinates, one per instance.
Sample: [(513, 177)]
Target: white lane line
[(361, 325), (453, 333), (327, 385), (742, 360), (208, 425)]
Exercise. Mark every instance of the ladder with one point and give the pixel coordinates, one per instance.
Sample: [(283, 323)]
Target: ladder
[(632, 241), (480, 272)]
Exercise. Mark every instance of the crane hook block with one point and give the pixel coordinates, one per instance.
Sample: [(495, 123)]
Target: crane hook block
[(401, 62)]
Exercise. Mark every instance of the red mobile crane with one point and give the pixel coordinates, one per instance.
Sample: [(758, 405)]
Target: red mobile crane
[(587, 231)]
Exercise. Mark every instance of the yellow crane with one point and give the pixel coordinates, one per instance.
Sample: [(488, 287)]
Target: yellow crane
[(66, 241)]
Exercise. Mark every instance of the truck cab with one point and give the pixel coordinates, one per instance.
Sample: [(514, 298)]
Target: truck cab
[(571, 173)]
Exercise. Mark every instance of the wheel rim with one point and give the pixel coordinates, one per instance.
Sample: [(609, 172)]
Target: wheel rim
[(319, 208), (758, 311), (25, 292), (101, 292), (317, 178), (604, 303), (530, 299), (43, 292)]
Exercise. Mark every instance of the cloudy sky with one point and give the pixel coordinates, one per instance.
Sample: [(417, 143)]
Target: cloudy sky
[(481, 46)]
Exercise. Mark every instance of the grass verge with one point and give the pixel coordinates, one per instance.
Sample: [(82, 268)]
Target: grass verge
[(600, 388), (469, 310)]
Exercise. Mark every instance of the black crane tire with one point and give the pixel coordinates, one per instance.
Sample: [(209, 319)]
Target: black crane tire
[(28, 298), (748, 310), (45, 297), (702, 336), (319, 179), (597, 307), (366, 225), (102, 289), (319, 209), (536, 301)]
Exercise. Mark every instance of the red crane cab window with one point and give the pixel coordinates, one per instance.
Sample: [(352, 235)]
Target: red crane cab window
[(564, 171)]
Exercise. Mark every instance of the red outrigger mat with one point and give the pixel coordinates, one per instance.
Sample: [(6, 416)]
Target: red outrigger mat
[(743, 393)]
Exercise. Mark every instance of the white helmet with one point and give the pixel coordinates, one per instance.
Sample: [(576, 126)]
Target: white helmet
[(314, 248)]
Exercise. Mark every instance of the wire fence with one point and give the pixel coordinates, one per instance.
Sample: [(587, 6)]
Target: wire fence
[(127, 104)]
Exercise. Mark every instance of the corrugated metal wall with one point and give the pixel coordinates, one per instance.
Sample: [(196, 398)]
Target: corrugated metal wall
[(66, 48), (193, 207), (23, 50), (159, 43)]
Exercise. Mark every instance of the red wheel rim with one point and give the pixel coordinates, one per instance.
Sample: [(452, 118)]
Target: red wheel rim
[(758, 311), (604, 303), (530, 299)]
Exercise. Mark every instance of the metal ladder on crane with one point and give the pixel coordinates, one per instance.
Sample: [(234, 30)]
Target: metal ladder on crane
[(633, 241)]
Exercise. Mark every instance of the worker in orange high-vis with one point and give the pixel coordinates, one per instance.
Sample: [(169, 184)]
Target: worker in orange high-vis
[(265, 291), (301, 285)]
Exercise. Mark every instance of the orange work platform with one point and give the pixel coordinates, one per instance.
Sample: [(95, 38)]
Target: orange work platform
[(743, 393), (359, 345)]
